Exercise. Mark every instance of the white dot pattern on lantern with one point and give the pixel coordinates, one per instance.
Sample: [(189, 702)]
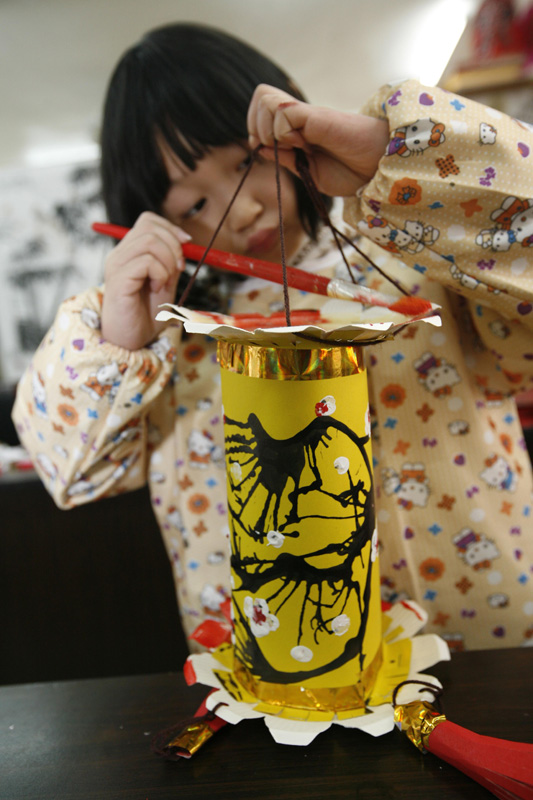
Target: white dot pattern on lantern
[(301, 653), (342, 465), (340, 624)]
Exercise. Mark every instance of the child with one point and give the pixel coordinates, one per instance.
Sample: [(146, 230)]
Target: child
[(113, 399)]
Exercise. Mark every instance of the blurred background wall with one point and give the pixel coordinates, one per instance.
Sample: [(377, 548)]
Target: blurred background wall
[(56, 56)]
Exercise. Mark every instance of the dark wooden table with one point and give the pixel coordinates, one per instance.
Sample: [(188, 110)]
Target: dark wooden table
[(90, 740)]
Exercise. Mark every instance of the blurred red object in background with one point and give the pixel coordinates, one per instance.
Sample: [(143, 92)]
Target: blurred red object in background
[(495, 31)]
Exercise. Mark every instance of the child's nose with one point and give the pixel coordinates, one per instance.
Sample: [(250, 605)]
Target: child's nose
[(244, 212)]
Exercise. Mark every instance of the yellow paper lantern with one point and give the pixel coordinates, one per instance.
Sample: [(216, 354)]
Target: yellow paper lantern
[(305, 575)]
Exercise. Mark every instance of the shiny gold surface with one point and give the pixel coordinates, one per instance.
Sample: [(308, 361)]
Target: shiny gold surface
[(418, 720), (284, 364), (341, 698), (192, 737)]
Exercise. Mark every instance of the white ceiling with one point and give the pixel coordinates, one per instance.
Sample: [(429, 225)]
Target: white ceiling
[(56, 55)]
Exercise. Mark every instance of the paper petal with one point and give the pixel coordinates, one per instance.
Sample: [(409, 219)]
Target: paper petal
[(204, 665), (379, 721), (406, 619), (337, 331), (291, 731), (404, 657), (428, 650), (232, 711)]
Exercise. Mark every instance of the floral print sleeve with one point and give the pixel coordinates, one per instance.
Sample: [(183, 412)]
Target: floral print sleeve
[(81, 408), (450, 207), (451, 200)]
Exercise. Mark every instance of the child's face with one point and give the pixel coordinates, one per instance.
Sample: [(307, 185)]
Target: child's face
[(197, 200)]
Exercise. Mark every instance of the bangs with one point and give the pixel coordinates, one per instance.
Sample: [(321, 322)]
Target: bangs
[(189, 86), (192, 126), (204, 102)]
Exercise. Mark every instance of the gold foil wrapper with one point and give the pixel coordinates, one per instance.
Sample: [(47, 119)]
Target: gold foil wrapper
[(287, 364), (191, 738), (341, 698), (305, 573), (418, 720)]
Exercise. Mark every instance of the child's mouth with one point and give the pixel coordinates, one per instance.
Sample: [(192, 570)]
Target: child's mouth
[(262, 241)]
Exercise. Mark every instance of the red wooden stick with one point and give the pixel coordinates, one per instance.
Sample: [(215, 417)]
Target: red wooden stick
[(297, 278)]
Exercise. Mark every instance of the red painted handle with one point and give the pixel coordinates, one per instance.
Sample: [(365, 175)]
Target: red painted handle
[(269, 271)]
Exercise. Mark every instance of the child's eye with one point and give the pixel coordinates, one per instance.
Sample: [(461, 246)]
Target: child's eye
[(193, 210), (246, 161)]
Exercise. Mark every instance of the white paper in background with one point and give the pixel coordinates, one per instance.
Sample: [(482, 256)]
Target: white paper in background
[(48, 252)]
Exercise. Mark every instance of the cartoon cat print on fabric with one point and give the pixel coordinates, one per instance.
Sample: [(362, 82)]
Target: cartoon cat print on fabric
[(436, 374), (413, 238), (475, 549), (414, 139), (513, 225), (487, 133), (410, 485)]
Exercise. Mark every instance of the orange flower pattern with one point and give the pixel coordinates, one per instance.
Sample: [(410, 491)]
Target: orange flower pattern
[(193, 352), (198, 503), (405, 192), (68, 414), (392, 395), (432, 569), (148, 371)]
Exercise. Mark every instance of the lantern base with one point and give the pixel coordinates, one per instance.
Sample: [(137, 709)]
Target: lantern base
[(405, 655)]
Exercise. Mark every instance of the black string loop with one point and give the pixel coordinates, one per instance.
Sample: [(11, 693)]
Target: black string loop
[(436, 691)]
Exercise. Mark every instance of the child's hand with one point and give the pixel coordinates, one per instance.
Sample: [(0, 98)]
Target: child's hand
[(343, 149), (141, 272)]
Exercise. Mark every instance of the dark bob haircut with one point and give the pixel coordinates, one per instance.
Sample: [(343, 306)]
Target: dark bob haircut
[(192, 85)]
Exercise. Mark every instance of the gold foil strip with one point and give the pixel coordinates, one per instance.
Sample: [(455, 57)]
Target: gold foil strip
[(192, 737), (341, 698), (286, 364), (418, 720)]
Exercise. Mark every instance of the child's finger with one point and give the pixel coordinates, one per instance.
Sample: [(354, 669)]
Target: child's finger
[(145, 248), (160, 227), (151, 239), (148, 219), (165, 246), (268, 124), (146, 258), (286, 158), (145, 267), (260, 119)]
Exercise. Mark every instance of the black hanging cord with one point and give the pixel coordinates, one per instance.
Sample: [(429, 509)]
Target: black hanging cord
[(282, 240), (185, 294), (302, 167)]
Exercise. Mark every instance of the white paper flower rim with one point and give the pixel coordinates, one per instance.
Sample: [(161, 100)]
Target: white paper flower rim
[(368, 325), (401, 621)]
